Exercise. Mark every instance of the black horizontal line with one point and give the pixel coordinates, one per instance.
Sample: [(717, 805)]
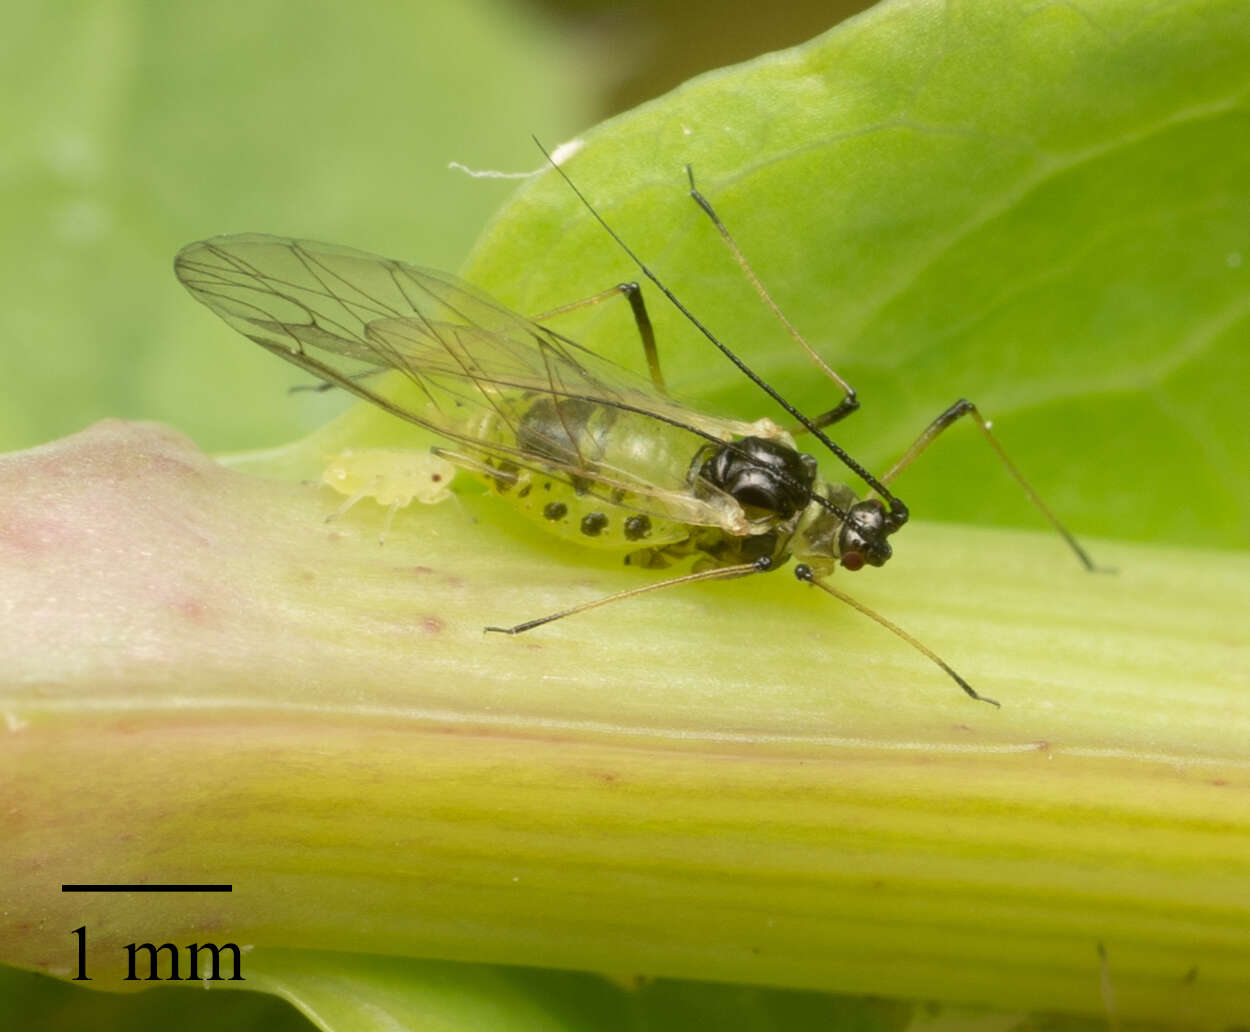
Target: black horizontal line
[(124, 887)]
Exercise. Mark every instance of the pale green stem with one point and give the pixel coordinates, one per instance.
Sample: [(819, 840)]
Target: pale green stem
[(204, 681)]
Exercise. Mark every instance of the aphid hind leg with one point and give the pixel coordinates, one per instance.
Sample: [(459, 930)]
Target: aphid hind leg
[(761, 565), (321, 386), (850, 401), (963, 407), (632, 293)]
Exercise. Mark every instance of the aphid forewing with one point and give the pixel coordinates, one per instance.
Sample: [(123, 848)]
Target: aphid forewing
[(345, 315)]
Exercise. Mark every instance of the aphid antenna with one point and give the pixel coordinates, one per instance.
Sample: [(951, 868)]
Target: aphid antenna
[(898, 513), (804, 573)]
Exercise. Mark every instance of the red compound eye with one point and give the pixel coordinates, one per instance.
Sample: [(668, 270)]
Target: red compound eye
[(853, 561)]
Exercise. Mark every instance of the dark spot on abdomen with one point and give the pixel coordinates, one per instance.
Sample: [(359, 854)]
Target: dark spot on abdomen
[(637, 528), (594, 524)]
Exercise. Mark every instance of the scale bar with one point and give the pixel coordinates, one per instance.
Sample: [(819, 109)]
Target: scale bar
[(148, 887)]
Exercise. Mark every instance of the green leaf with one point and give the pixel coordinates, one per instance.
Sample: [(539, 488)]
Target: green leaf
[(338, 992), (367, 993), (360, 993), (33, 1001), (1041, 207)]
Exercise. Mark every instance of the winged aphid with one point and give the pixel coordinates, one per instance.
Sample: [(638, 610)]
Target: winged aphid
[(591, 451)]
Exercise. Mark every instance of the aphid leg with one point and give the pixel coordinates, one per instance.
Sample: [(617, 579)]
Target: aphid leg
[(849, 402), (325, 385), (760, 565), (963, 407), (839, 411), (391, 509), (352, 500), (311, 388), (804, 573), (633, 294)]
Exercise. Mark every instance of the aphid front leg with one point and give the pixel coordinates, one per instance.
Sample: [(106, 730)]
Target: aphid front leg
[(850, 401), (963, 407), (633, 294)]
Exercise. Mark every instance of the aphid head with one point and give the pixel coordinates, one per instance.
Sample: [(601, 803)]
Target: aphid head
[(843, 532), (862, 539)]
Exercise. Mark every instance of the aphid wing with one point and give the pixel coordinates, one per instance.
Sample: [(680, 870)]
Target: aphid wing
[(289, 295), (484, 372), (286, 296)]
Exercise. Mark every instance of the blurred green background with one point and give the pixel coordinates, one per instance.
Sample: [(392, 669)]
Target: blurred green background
[(134, 127)]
